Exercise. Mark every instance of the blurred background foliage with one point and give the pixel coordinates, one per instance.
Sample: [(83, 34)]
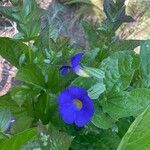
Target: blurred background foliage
[(93, 10)]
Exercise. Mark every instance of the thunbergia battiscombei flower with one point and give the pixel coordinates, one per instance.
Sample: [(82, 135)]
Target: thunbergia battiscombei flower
[(75, 106), (75, 66)]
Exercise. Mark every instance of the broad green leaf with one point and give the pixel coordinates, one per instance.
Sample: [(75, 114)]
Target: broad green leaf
[(29, 14), (125, 104), (94, 72), (61, 141), (11, 50), (31, 145), (19, 113), (115, 12), (31, 74), (3, 137), (138, 135), (7, 102), (96, 90), (119, 69), (27, 17), (105, 140), (116, 105), (18, 95), (87, 142), (21, 123), (91, 34), (84, 82), (90, 56), (18, 140), (5, 117), (42, 107), (140, 99), (94, 83), (56, 82), (23, 93), (123, 125), (145, 64), (9, 12), (124, 45), (102, 120), (53, 139)]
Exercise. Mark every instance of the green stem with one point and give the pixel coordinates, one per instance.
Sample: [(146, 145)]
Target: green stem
[(30, 53)]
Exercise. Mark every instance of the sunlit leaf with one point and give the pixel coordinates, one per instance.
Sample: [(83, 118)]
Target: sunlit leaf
[(138, 135)]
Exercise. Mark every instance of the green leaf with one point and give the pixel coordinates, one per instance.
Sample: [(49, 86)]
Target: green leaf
[(31, 145), (94, 72), (138, 135), (115, 11), (7, 102), (21, 123), (145, 64), (11, 50), (54, 79), (25, 15), (91, 34), (119, 69), (123, 125), (84, 82), (17, 140), (116, 104), (23, 93), (102, 120), (96, 90), (31, 74), (9, 12), (125, 104), (124, 45), (5, 117), (19, 113), (105, 140), (87, 142), (29, 14), (42, 107), (18, 95), (60, 140), (53, 139), (94, 83), (140, 99)]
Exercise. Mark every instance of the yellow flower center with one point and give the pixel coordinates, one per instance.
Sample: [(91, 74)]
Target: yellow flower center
[(78, 103)]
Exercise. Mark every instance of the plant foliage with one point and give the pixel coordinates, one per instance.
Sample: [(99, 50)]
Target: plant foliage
[(117, 80)]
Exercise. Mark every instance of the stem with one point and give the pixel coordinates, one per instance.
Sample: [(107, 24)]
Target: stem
[(30, 53)]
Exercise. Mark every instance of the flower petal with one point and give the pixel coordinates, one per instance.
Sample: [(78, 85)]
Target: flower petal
[(85, 115), (82, 118), (77, 92), (67, 113), (64, 70), (88, 105), (65, 97), (79, 71), (75, 60)]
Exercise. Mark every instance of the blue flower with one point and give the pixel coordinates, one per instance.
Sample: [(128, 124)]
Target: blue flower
[(75, 66), (75, 106)]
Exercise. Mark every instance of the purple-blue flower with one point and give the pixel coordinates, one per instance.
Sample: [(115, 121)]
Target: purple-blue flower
[(75, 106), (74, 65)]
